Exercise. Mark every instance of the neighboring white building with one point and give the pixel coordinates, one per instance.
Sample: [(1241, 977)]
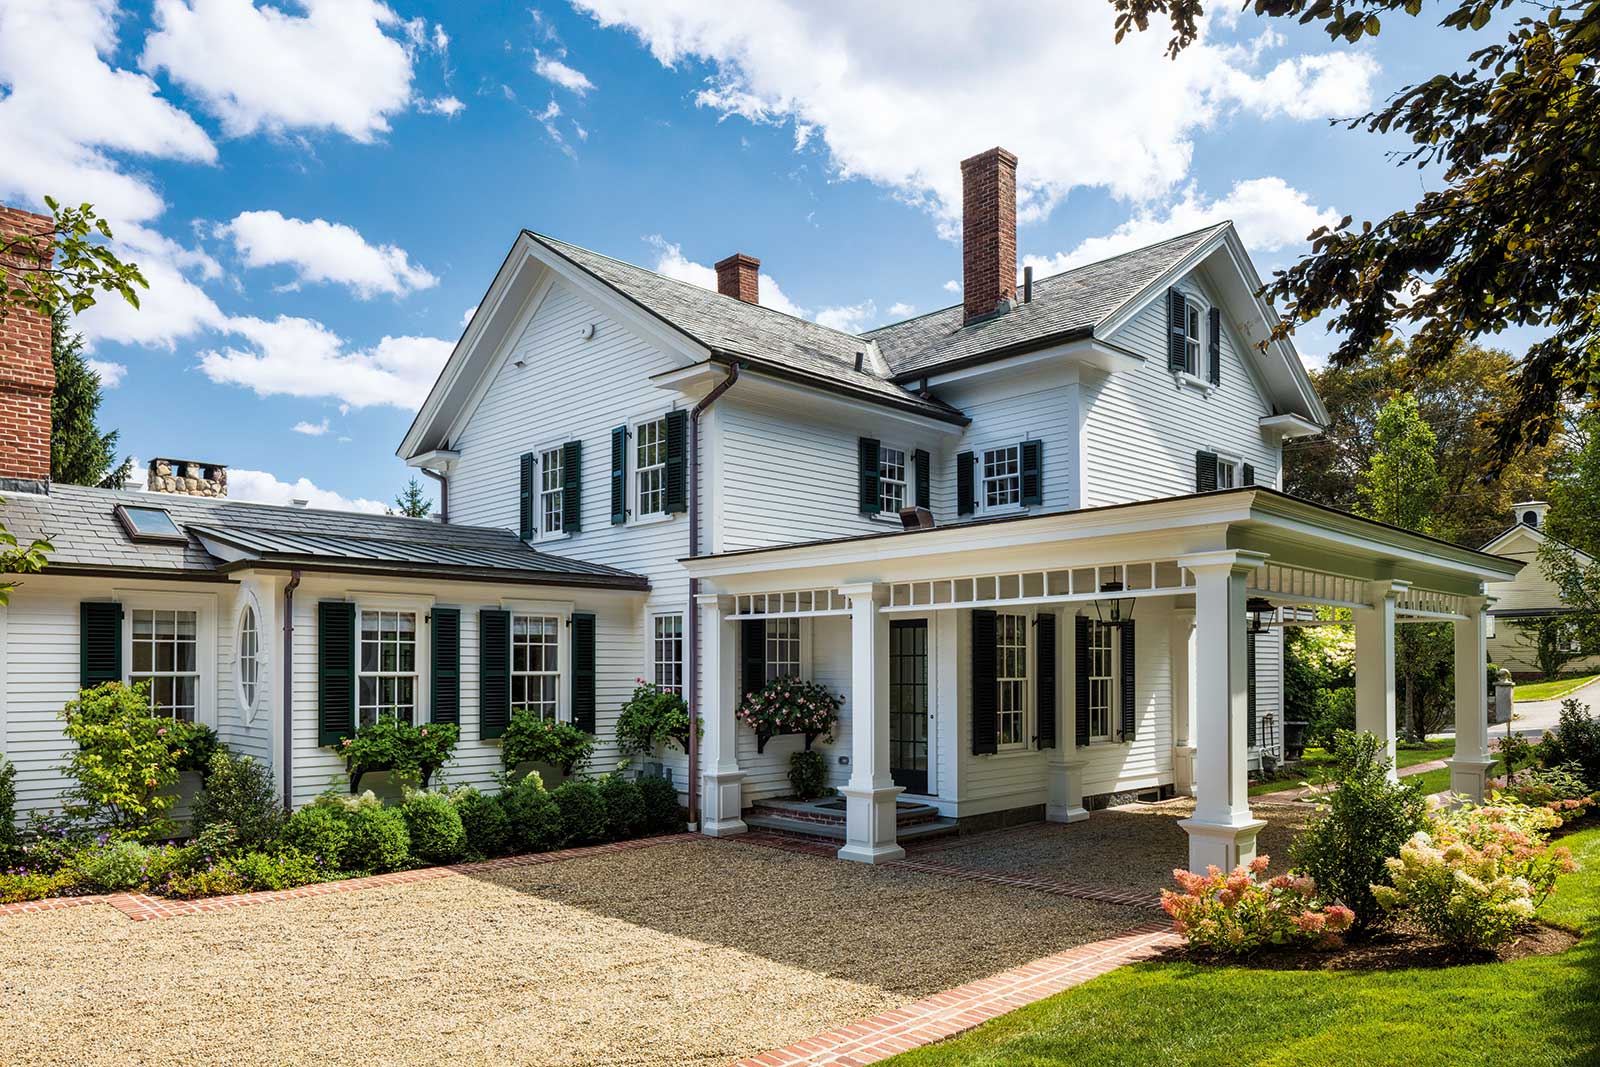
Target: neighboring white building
[(1529, 596), (1036, 540)]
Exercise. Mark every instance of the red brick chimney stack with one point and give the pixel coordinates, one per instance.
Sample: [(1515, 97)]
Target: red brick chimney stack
[(988, 231), (738, 276), (27, 372)]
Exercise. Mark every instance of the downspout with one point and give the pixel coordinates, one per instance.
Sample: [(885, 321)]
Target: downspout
[(444, 492), (694, 584), (288, 690)]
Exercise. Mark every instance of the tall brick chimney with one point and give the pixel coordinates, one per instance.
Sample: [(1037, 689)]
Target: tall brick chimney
[(27, 372), (988, 231), (738, 277)]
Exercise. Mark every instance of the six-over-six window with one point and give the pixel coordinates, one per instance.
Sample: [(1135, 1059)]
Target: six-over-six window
[(1011, 678), (536, 664), (650, 467), (892, 480), (166, 655), (667, 652), (1002, 476), (387, 681)]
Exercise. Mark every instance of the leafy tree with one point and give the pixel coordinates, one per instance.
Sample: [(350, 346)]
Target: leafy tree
[(1574, 491), (14, 559), (1551, 637), (1506, 233), (1401, 482), (412, 502), (1568, 555), (80, 266), (79, 453)]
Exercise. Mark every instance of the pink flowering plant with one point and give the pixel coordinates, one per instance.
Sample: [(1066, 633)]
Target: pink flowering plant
[(531, 738), (1237, 914), (790, 705), (653, 717), (413, 753)]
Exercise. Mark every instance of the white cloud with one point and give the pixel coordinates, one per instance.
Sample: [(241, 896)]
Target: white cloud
[(1269, 214), (851, 319), (466, 316), (671, 261), (321, 251), (448, 106), (902, 310), (951, 286), (300, 357), (263, 487), (1078, 109), (174, 307), (311, 429), (111, 374), (556, 72), (344, 65)]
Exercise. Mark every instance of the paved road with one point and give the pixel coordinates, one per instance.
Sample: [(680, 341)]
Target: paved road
[(1533, 717)]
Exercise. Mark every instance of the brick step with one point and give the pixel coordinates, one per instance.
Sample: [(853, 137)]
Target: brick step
[(767, 819), (831, 812)]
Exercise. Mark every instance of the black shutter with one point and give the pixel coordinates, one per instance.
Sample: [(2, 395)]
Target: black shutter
[(494, 672), (1250, 688), (1130, 722), (525, 498), (1205, 472), (1214, 347), (1248, 475), (583, 672), (677, 461), (446, 696), (868, 500), (619, 475), (1033, 472), (924, 465), (752, 656), (1045, 690), (336, 671), (1177, 331), (1080, 677), (966, 490), (985, 692), (99, 643), (572, 487)]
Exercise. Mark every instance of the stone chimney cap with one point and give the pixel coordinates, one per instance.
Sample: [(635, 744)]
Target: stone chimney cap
[(187, 477)]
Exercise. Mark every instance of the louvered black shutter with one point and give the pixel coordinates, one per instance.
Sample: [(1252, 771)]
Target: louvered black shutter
[(1130, 722), (752, 656), (494, 672), (1248, 475), (336, 671), (1033, 472), (583, 673), (868, 499), (1205, 472), (924, 465), (525, 497), (99, 643), (966, 490), (1177, 332), (446, 695), (619, 475), (572, 487), (1080, 677), (677, 461), (1046, 690), (985, 692), (1214, 347), (1250, 688)]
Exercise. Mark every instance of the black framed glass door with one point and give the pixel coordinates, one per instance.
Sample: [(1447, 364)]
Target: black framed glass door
[(908, 704)]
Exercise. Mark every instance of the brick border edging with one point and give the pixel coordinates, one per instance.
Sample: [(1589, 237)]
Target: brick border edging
[(954, 1011), (141, 907)]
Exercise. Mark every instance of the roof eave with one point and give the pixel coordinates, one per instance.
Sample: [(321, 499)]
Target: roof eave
[(312, 564), (992, 355), (911, 404)]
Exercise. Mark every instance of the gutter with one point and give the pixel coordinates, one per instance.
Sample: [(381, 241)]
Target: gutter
[(694, 587), (288, 690)]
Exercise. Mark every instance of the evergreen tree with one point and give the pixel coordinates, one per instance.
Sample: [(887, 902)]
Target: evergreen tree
[(412, 502), (80, 454)]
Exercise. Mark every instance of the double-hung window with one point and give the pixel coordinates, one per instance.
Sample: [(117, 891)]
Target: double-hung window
[(1002, 476), (783, 648), (165, 647), (1227, 473), (1102, 679), (1011, 678), (892, 480), (536, 664), (650, 467), (552, 481), (667, 652), (1191, 338), (386, 687)]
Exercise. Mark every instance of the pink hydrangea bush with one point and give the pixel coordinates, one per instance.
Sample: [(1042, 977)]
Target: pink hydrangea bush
[(1236, 914)]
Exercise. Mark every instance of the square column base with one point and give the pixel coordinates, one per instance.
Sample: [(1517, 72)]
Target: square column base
[(1183, 769), (723, 804), (1221, 845), (1065, 793), (1469, 777), (869, 821)]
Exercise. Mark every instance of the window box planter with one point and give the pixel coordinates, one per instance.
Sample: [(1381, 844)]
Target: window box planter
[(790, 705)]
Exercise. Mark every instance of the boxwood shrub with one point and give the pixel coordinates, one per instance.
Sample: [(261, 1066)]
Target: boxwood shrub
[(625, 816), (661, 811), (319, 832), (434, 827), (379, 841), (583, 813), (483, 820), (532, 818)]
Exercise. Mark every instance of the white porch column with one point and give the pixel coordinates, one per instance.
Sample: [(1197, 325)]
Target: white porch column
[(1223, 831), (1375, 700), (1064, 767), (722, 782), (1184, 732), (1470, 766), (870, 795)]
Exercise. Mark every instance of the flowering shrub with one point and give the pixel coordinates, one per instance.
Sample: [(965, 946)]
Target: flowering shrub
[(413, 753), (531, 739), (1560, 789), (113, 867), (1235, 914), (790, 705), (125, 760)]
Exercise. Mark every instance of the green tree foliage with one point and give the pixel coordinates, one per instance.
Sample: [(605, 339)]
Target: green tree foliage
[(80, 454), (81, 265), (1574, 491), (1504, 234), (1401, 482), (412, 502)]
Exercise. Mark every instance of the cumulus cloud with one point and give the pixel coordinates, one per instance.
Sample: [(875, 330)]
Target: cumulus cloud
[(262, 487), (951, 286), (671, 262), (448, 106), (902, 310), (109, 373), (311, 429), (852, 318), (556, 72), (321, 251)]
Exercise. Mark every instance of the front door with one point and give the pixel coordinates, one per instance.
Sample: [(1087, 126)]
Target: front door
[(908, 704)]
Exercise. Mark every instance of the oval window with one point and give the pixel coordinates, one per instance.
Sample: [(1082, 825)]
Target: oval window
[(249, 660)]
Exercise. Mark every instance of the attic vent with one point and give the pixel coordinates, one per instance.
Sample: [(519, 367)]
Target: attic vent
[(861, 359)]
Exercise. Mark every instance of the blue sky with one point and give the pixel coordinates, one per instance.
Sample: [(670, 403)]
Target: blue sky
[(320, 191)]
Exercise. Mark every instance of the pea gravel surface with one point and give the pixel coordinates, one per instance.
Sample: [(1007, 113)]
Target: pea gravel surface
[(692, 954)]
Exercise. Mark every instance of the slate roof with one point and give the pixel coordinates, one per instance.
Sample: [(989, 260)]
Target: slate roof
[(81, 524), (1064, 306)]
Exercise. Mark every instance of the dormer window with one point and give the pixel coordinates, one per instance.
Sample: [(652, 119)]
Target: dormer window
[(1191, 338), (152, 525)]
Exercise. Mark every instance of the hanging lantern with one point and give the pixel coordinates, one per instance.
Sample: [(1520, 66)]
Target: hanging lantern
[(1114, 610), (1261, 611)]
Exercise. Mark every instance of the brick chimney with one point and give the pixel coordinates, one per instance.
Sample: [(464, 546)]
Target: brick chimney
[(186, 477), (27, 372), (988, 231), (738, 277)]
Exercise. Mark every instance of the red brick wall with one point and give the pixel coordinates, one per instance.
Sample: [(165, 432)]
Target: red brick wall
[(988, 230), (738, 276), (27, 375)]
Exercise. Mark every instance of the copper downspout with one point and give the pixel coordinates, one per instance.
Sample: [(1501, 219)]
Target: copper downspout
[(288, 690), (444, 493)]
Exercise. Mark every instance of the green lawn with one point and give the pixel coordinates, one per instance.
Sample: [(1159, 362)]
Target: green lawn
[(1405, 757), (1551, 690), (1533, 1012)]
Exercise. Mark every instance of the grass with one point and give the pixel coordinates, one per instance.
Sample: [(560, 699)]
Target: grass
[(1551, 690), (1534, 1012), (1316, 758)]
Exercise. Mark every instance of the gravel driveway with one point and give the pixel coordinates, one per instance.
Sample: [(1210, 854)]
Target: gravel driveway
[(686, 954)]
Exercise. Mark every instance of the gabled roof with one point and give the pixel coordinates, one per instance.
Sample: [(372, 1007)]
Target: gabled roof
[(82, 525), (1539, 537)]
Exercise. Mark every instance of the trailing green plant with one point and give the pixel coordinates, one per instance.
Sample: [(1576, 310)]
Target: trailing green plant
[(200, 744), (808, 773), (531, 739), (10, 842), (239, 790), (412, 753), (1363, 822), (653, 717), (284, 868), (661, 811), (318, 831), (790, 705), (1235, 914), (483, 820), (379, 840), (18, 887), (114, 866), (625, 815), (583, 813), (532, 818), (218, 879), (124, 760), (435, 828), (1576, 739)]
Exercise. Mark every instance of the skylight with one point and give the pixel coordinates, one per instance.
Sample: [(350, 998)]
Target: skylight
[(149, 524)]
